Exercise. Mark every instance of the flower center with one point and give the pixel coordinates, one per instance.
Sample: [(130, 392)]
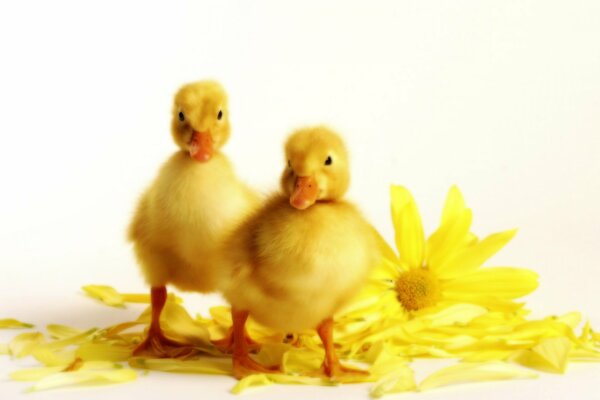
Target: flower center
[(417, 288)]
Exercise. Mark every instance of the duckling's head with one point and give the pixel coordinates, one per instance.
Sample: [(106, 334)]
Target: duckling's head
[(200, 123), (317, 167)]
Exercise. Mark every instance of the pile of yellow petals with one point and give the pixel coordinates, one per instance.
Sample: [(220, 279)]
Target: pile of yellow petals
[(432, 299)]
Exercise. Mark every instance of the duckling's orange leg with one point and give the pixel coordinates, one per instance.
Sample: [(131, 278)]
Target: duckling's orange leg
[(331, 365), (225, 345), (157, 344), (243, 365)]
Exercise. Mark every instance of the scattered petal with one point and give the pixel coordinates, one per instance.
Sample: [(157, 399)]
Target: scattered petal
[(106, 294), (487, 355), (258, 380), (70, 341), (103, 352), (251, 381), (585, 355), (399, 380), (177, 323), (205, 365), (11, 323), (301, 361), (474, 372), (550, 355), (22, 345), (52, 358), (84, 377), (35, 374), (143, 298), (393, 375), (572, 319), (57, 331)]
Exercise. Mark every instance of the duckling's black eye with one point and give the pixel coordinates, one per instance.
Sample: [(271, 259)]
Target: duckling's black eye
[(181, 116), (220, 115), (289, 164), (328, 161)]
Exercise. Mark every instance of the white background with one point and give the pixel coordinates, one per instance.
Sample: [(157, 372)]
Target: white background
[(501, 98)]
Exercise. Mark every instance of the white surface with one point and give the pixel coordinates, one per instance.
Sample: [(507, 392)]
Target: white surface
[(501, 98)]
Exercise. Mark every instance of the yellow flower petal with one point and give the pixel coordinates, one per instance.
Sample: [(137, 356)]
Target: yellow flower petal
[(572, 319), (143, 298), (399, 380), (386, 251), (445, 242), (586, 332), (502, 282), (487, 355), (34, 374), (3, 349), (11, 323), (258, 380), (221, 315), (474, 256), (106, 294), (386, 271), (302, 361), (57, 331), (69, 341), (22, 345), (474, 372), (393, 375), (548, 327), (103, 352), (491, 302), (456, 314), (177, 323), (454, 205), (453, 231), (585, 355), (205, 365), (550, 355), (116, 331), (410, 239), (52, 358), (272, 353), (84, 377), (251, 381)]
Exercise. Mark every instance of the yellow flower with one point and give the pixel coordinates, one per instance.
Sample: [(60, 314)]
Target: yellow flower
[(445, 269)]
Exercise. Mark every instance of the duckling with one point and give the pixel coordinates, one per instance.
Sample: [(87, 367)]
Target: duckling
[(302, 256), (184, 214)]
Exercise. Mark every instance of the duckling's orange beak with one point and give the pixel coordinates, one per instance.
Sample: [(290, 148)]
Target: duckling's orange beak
[(201, 146), (305, 192)]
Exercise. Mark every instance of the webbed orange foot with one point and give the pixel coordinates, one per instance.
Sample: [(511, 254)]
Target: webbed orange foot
[(331, 365), (225, 345), (243, 366), (159, 346)]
